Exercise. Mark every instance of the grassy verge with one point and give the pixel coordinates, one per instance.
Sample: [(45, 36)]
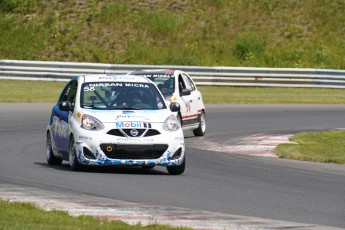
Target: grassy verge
[(265, 33), (27, 216), (12, 91), (324, 146), (266, 95)]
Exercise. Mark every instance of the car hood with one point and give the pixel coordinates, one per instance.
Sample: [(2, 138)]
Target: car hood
[(109, 116)]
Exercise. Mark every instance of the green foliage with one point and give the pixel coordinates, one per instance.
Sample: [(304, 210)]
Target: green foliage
[(267, 95), (50, 19), (263, 33), (249, 47), (8, 5), (114, 13), (324, 146), (30, 91), (159, 23), (14, 215), (22, 42), (20, 6)]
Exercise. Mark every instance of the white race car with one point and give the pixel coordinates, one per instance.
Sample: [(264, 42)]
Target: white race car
[(178, 86), (115, 120)]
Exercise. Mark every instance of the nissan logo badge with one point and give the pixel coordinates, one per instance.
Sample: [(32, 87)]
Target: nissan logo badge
[(134, 132)]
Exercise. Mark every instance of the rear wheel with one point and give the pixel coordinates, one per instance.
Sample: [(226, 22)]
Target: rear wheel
[(179, 169), (73, 159), (51, 159), (200, 131)]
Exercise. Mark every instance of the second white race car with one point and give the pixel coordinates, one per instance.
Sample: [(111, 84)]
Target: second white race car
[(178, 86)]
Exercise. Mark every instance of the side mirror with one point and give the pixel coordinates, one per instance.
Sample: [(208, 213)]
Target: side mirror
[(185, 92), (175, 107), (65, 106)]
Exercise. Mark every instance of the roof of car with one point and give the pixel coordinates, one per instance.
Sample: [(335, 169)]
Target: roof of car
[(152, 72), (113, 78)]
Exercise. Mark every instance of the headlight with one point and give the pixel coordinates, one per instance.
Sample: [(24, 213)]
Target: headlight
[(171, 124), (90, 123)]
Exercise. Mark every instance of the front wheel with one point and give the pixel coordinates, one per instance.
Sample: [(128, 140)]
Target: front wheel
[(200, 131), (73, 159), (51, 159), (179, 169)]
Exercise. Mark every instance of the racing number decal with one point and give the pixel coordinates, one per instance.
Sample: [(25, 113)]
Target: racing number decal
[(188, 107)]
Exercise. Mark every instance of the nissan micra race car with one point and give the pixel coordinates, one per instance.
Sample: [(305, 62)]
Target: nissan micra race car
[(178, 86), (114, 120)]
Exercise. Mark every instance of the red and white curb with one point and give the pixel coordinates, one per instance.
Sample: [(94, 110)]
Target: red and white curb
[(256, 145), (134, 213)]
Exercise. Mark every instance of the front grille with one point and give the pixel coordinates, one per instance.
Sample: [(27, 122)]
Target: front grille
[(151, 132), (138, 133), (134, 152), (127, 132), (116, 132)]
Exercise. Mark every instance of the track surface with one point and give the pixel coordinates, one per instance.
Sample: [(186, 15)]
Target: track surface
[(228, 183)]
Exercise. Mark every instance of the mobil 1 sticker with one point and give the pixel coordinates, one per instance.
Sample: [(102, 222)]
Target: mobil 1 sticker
[(128, 125)]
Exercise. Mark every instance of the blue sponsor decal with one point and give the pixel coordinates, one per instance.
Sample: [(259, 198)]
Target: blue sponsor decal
[(127, 125), (127, 112)]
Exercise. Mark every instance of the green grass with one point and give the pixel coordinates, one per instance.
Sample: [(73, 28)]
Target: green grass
[(14, 215), (14, 91), (265, 33), (270, 95), (324, 146)]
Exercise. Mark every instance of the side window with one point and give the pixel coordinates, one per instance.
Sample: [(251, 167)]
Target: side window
[(181, 83), (69, 93), (73, 94), (187, 82), (65, 92), (191, 83)]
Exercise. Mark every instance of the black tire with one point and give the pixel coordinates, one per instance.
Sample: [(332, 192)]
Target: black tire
[(179, 169), (51, 159), (72, 155), (200, 131)]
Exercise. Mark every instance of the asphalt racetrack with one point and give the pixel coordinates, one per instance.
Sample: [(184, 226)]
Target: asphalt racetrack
[(264, 187)]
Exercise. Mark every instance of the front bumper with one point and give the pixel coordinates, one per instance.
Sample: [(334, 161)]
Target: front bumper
[(105, 148)]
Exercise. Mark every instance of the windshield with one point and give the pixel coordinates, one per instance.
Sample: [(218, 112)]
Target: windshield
[(165, 83), (120, 95)]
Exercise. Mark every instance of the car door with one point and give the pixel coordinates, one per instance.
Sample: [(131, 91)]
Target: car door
[(60, 126), (186, 101), (193, 103)]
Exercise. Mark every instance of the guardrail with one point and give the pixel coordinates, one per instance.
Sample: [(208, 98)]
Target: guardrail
[(215, 76)]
